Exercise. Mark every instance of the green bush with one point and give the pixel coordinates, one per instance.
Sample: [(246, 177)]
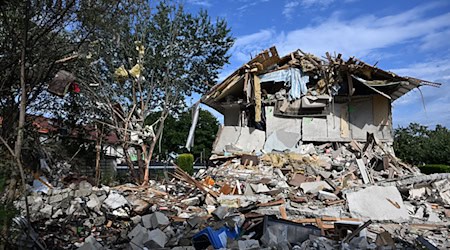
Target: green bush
[(186, 162), (434, 168)]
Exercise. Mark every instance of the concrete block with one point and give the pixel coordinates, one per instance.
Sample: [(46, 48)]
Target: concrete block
[(136, 219), (156, 239), (90, 243), (146, 221), (137, 242), (159, 219), (373, 203), (136, 230)]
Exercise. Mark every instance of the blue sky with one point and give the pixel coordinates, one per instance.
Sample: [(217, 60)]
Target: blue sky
[(408, 37)]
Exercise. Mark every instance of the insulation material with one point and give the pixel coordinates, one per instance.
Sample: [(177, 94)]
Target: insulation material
[(293, 79), (257, 89)]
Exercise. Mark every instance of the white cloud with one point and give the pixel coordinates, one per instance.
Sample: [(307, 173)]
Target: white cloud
[(249, 45), (291, 6), (433, 70), (204, 3), (358, 36)]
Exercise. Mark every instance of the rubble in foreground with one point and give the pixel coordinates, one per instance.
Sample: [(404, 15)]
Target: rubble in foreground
[(352, 196)]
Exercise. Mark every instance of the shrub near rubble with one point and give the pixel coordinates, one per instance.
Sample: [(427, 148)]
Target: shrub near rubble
[(186, 162)]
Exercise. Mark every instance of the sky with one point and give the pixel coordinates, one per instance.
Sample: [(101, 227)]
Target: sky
[(408, 37)]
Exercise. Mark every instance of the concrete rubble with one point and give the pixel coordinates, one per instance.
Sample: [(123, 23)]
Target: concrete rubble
[(316, 200)]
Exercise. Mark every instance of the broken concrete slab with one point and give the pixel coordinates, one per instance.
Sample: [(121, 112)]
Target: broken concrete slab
[(248, 245), (191, 201), (221, 212), (259, 188), (376, 203), (417, 193), (315, 187), (323, 195), (93, 202), (139, 206), (84, 189), (243, 138), (115, 200)]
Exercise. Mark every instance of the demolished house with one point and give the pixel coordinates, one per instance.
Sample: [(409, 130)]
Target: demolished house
[(275, 103), (339, 188)]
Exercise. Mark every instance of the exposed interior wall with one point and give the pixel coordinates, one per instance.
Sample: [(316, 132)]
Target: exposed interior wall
[(345, 122), (235, 138), (282, 133)]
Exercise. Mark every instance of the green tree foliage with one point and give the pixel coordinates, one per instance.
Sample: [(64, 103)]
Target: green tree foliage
[(176, 131), (416, 144)]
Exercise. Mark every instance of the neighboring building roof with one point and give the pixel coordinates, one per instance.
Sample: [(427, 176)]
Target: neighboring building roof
[(46, 125)]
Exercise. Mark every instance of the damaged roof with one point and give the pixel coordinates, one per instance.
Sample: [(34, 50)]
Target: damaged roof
[(328, 74)]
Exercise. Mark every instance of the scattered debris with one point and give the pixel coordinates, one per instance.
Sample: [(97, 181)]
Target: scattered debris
[(281, 200)]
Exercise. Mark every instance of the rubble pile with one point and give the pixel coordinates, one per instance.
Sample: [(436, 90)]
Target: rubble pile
[(349, 196)]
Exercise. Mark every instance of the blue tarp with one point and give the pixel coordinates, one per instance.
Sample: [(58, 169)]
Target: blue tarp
[(293, 78)]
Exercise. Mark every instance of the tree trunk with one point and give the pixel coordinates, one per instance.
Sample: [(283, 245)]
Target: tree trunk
[(152, 147), (22, 108), (129, 163), (141, 163), (97, 161)]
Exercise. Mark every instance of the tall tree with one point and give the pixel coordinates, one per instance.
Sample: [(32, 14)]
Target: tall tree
[(37, 39), (161, 56)]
